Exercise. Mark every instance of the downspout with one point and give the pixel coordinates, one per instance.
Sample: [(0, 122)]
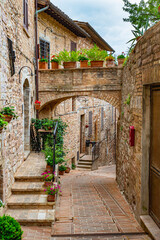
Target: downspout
[(36, 50)]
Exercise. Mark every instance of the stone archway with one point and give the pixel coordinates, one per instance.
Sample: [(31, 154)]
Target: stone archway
[(26, 94)]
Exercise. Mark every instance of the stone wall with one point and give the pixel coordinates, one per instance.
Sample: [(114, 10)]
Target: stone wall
[(142, 70), (11, 88)]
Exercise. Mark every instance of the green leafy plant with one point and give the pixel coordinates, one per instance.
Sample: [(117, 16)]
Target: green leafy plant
[(128, 99), (47, 176), (95, 54), (10, 229), (52, 190), (126, 60), (110, 58), (3, 123), (121, 56), (73, 166), (62, 168), (55, 58), (10, 111), (82, 55), (1, 204), (43, 60), (71, 56), (121, 128), (48, 124)]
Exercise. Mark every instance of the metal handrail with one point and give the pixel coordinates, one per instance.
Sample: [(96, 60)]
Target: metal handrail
[(54, 148)]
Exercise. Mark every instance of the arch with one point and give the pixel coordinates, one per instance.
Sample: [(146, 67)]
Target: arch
[(26, 115)]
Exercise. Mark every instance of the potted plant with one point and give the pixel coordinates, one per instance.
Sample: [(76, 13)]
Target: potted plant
[(10, 228), (55, 62), (96, 56), (3, 123), (9, 113), (49, 158), (83, 59), (69, 58), (159, 8), (110, 61), (67, 167), (37, 104), (73, 166), (47, 178), (121, 59), (48, 124), (52, 191), (43, 63), (62, 169)]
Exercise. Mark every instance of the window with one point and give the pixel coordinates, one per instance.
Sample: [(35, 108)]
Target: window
[(90, 124), (12, 56), (25, 13), (73, 46), (45, 51)]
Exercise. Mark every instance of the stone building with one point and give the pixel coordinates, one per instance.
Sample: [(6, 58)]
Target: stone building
[(17, 86)]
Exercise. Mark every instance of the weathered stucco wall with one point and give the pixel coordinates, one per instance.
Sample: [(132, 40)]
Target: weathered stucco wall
[(142, 69), (11, 88)]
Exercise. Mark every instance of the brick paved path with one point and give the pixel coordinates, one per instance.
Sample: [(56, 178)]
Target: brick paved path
[(91, 204)]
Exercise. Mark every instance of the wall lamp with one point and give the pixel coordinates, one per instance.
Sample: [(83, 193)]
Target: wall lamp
[(27, 75)]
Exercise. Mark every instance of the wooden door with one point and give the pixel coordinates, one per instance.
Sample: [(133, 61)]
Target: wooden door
[(82, 134), (155, 155)]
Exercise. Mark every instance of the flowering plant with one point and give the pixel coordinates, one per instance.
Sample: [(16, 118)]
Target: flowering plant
[(52, 190), (55, 58), (37, 102), (82, 56), (43, 60), (121, 56), (47, 176), (110, 58), (87, 126)]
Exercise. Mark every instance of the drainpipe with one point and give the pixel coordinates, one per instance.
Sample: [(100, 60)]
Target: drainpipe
[(36, 50)]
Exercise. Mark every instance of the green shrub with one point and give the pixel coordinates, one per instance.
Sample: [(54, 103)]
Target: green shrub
[(95, 54), (73, 166), (10, 229), (10, 111), (62, 168)]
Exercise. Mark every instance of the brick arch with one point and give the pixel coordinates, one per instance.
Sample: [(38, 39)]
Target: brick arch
[(53, 99)]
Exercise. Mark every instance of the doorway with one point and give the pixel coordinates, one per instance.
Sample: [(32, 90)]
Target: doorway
[(82, 134), (26, 93), (154, 164)]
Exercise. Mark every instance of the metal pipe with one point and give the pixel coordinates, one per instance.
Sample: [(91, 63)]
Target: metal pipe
[(54, 148), (42, 10)]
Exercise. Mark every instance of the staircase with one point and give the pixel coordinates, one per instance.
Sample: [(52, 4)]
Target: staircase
[(28, 202), (85, 163)]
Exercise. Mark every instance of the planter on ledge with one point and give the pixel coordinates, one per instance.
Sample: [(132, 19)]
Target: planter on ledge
[(67, 170), (49, 168), (69, 64), (54, 65), (51, 198), (84, 64), (121, 61), (96, 64), (110, 63), (7, 118), (61, 172), (43, 65)]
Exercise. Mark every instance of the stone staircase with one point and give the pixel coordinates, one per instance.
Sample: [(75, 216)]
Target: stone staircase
[(85, 163), (28, 202)]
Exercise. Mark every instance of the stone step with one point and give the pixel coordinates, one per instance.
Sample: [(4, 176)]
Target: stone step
[(28, 178), (86, 158), (36, 217), (82, 154), (83, 169), (84, 166), (84, 163), (29, 201), (28, 188)]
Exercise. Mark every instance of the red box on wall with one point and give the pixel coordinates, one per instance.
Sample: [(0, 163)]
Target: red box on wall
[(131, 136)]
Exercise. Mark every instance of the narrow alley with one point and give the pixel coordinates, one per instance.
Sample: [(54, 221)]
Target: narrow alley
[(90, 206)]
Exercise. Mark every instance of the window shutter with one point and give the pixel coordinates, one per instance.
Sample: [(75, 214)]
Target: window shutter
[(73, 46), (102, 118), (12, 56), (25, 13), (90, 124)]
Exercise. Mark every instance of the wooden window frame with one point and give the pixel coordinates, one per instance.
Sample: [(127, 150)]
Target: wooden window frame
[(73, 46)]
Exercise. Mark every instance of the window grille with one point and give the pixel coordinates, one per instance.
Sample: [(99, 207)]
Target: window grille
[(45, 51), (12, 56), (73, 46)]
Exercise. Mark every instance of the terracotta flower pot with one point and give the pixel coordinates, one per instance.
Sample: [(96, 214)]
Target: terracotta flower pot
[(84, 64), (69, 64), (49, 168), (67, 170), (7, 118), (54, 65), (138, 38), (95, 64), (120, 61), (110, 63), (43, 65), (51, 198), (48, 183), (61, 172), (37, 106), (1, 128)]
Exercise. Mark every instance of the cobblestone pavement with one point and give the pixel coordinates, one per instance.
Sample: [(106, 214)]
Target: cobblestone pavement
[(92, 207)]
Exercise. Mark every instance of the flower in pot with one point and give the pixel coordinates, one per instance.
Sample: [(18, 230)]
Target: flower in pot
[(67, 167), (121, 59), (43, 63), (62, 169), (9, 113), (55, 62), (96, 56), (83, 59), (52, 191), (110, 61), (49, 158), (3, 123), (37, 104), (47, 178), (159, 8), (69, 58)]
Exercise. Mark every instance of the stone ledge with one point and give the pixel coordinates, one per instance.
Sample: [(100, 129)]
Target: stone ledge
[(150, 226)]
